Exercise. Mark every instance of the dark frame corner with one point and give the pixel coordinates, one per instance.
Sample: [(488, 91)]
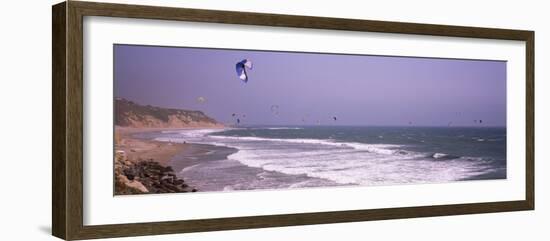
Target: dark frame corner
[(67, 121)]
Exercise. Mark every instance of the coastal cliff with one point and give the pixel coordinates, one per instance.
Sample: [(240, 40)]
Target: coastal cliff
[(131, 114), (143, 165)]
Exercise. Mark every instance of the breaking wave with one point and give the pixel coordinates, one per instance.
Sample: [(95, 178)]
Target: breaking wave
[(341, 162)]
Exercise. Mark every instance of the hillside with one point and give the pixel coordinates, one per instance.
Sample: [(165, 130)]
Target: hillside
[(130, 114)]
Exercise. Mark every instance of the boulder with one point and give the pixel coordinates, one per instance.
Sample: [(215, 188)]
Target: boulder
[(137, 185)]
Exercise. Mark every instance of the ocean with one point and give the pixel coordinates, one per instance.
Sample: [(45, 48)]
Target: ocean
[(260, 157)]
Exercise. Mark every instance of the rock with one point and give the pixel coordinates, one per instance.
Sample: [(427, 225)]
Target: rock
[(174, 188), (137, 185), (167, 178), (120, 155), (125, 186), (149, 177), (129, 173)]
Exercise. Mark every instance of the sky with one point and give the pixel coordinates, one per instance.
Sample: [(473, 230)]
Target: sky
[(312, 88)]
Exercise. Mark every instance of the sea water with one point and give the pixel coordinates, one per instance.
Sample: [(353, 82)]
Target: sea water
[(355, 155)]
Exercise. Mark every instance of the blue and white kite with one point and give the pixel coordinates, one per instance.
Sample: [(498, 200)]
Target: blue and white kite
[(241, 69)]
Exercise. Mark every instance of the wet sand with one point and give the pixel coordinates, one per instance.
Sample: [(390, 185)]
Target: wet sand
[(137, 149)]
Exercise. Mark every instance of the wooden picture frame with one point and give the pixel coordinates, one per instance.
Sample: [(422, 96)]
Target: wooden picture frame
[(67, 150)]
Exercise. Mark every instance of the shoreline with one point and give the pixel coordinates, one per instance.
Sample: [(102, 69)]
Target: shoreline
[(214, 163), (144, 165), (209, 168), (192, 153), (142, 148)]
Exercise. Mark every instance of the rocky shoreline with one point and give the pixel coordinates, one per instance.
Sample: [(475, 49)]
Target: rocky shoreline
[(146, 176), (142, 165)]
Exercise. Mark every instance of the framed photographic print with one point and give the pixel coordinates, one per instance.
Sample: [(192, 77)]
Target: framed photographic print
[(213, 120)]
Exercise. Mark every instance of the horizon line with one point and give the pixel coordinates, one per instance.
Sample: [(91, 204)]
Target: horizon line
[(359, 125)]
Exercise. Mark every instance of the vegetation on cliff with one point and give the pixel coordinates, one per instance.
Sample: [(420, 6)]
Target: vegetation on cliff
[(131, 114)]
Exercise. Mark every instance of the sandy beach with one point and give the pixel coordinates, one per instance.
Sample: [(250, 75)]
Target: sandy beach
[(143, 149), (143, 165)]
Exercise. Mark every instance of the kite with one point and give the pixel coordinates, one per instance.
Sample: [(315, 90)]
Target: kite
[(275, 109), (241, 67), (201, 99), (334, 117)]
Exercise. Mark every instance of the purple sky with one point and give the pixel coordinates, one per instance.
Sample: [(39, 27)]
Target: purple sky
[(358, 90)]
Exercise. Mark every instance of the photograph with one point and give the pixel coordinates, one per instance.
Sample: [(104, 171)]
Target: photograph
[(190, 119), (174, 119)]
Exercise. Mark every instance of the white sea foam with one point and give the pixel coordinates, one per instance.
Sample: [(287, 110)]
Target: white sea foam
[(188, 168), (377, 148), (341, 162), (439, 155), (283, 128), (361, 168)]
